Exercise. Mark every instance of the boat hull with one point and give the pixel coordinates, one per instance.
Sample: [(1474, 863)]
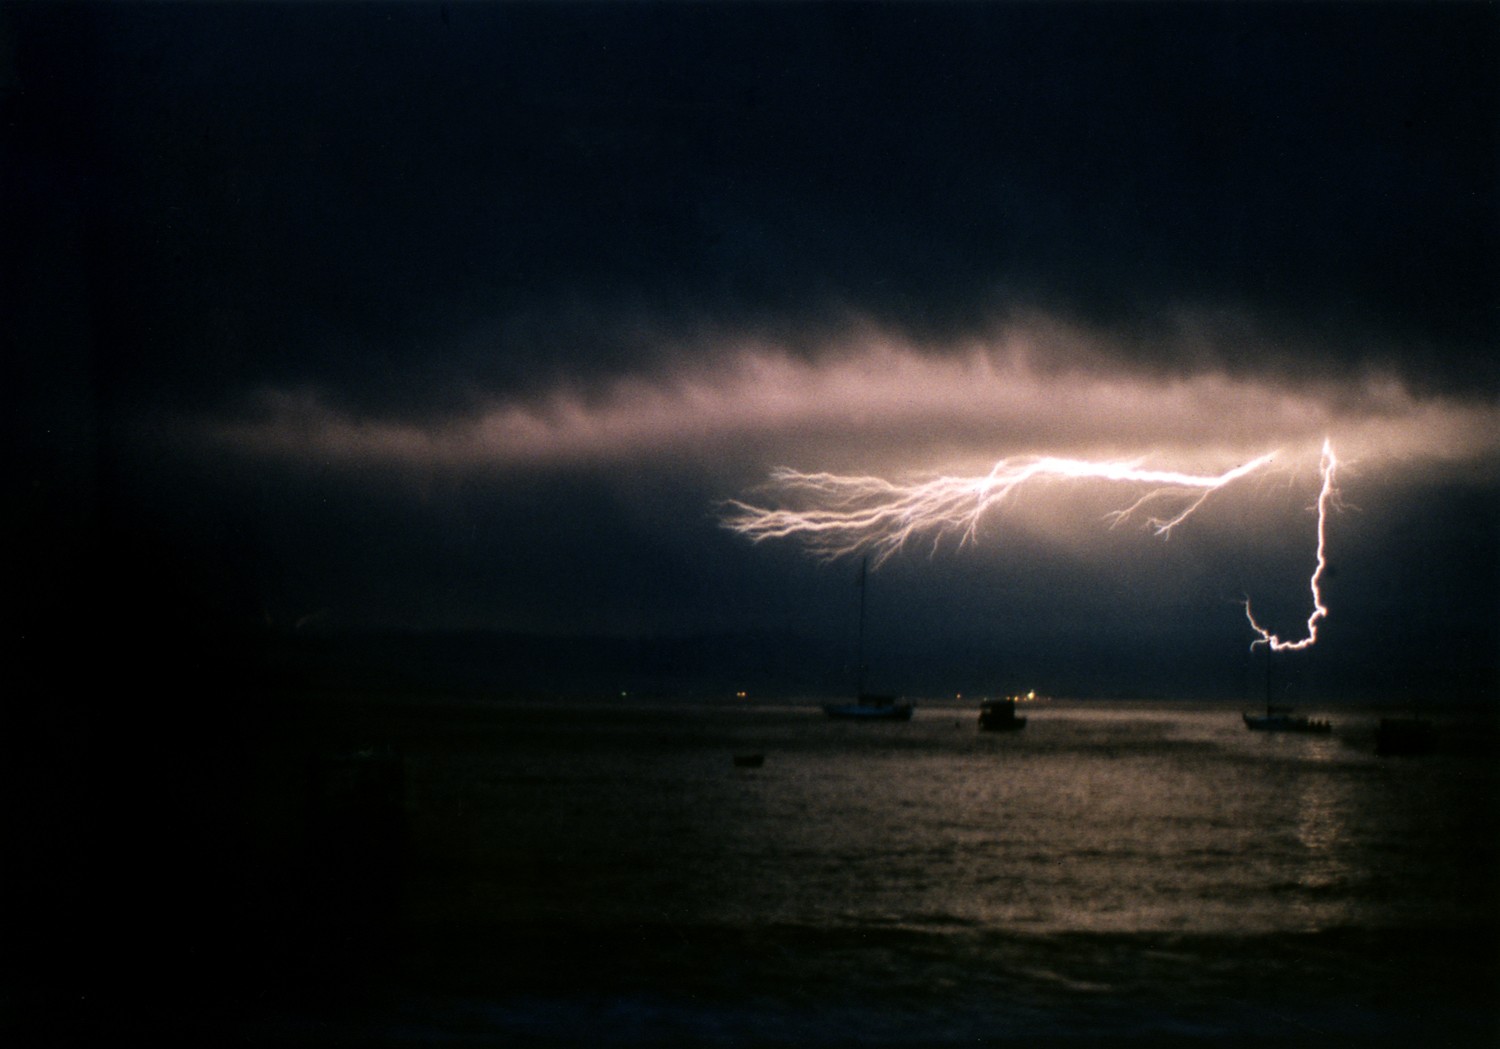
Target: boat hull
[(1285, 723), (869, 712)]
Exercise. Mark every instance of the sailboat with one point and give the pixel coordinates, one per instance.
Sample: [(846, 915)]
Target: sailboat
[(867, 706), (1279, 718)]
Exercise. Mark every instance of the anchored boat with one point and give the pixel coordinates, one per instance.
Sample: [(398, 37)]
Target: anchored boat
[(1280, 718), (868, 706), (999, 715), (1411, 735)]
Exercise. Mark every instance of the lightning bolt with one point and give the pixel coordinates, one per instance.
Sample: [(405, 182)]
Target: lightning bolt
[(852, 515), (1327, 496), (870, 515)]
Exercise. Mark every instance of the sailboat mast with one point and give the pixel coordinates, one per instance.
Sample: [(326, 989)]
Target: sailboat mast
[(859, 655), (1268, 680)]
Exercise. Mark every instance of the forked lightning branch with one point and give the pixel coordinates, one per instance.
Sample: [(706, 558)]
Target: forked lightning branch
[(836, 515)]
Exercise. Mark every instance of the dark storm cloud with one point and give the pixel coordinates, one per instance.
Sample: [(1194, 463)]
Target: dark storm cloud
[(629, 239), (400, 205)]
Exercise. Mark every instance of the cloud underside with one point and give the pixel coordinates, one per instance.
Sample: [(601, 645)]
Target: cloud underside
[(870, 401)]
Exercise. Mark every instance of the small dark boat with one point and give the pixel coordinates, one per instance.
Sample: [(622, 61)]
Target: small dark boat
[(1403, 736), (999, 715), (749, 761)]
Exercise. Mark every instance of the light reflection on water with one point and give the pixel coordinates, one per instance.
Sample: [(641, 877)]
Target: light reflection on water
[(1115, 874), (1093, 819)]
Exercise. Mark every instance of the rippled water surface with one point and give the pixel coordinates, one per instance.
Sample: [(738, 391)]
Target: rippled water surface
[(1156, 872)]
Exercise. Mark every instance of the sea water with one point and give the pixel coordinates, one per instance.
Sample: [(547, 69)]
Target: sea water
[(1148, 873)]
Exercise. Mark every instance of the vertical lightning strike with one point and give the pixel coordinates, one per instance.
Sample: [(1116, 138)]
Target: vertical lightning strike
[(1327, 496)]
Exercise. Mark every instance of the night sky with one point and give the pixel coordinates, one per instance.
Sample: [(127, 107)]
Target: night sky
[(462, 322)]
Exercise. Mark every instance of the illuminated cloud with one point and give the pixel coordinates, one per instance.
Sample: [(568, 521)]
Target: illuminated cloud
[(870, 401)]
